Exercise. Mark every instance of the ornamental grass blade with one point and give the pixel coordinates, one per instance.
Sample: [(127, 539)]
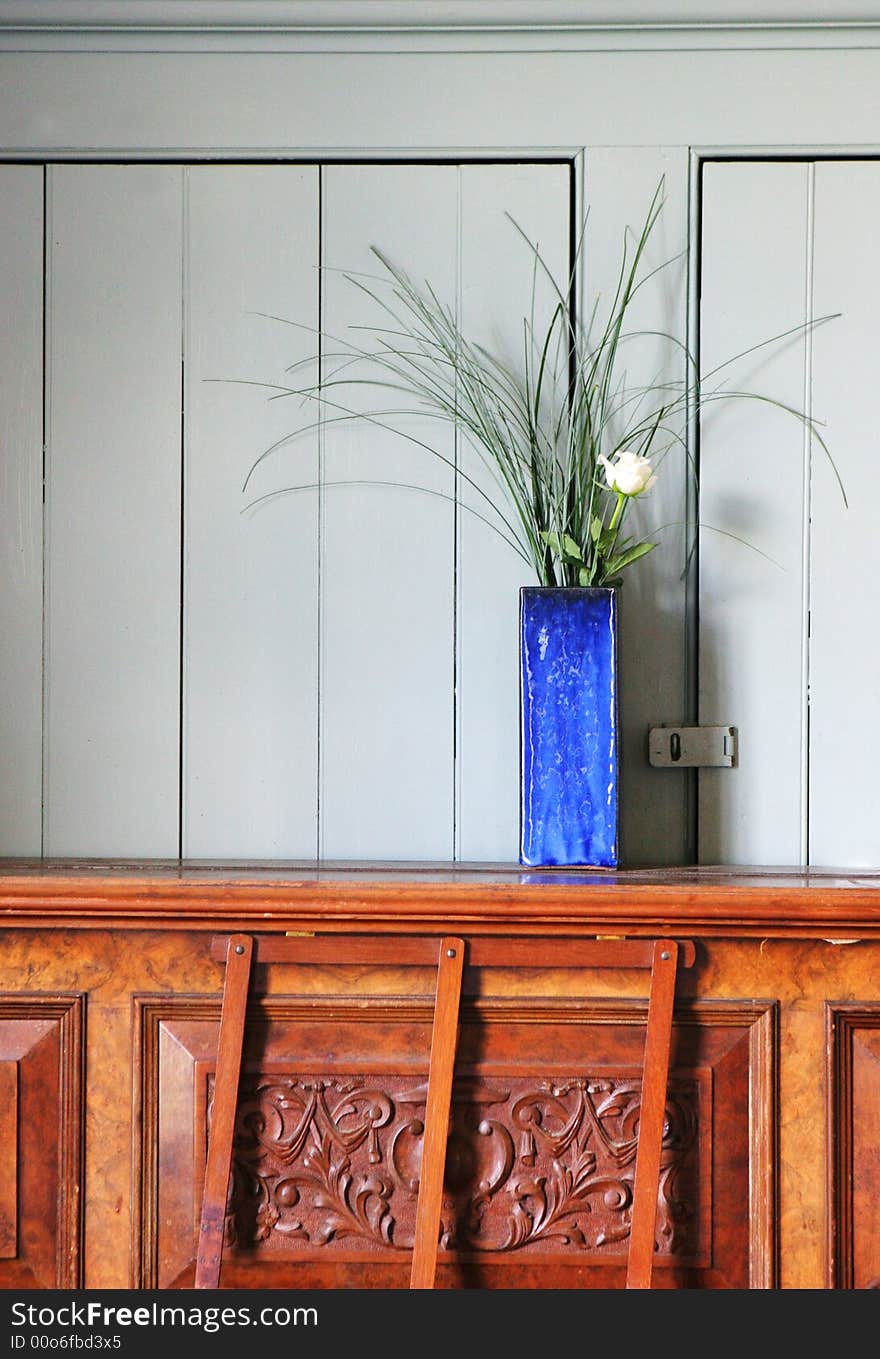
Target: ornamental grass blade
[(546, 430)]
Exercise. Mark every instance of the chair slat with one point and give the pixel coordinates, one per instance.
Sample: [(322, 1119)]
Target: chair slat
[(655, 1072), (449, 956), (437, 1110), (239, 951)]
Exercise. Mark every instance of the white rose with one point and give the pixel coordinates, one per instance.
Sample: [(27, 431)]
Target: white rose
[(630, 475)]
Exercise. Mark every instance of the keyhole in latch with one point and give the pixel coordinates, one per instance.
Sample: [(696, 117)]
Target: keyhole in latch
[(675, 746)]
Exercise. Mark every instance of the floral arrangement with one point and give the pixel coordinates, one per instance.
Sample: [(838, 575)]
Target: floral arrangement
[(569, 444)]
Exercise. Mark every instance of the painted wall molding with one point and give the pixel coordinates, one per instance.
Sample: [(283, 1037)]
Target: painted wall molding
[(442, 24)]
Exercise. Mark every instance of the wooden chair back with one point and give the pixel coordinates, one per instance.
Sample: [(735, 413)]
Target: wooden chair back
[(448, 955)]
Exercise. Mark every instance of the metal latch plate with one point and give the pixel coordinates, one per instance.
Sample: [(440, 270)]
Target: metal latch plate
[(692, 747)]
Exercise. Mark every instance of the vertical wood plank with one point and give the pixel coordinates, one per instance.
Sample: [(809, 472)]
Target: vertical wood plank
[(845, 555), (619, 184), (239, 952), (10, 1142), (21, 508), (251, 575), (752, 615), (387, 553), (496, 286), (438, 1106), (113, 511), (652, 1115)]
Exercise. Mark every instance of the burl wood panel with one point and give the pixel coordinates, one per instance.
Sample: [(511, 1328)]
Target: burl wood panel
[(41, 1125), (792, 1118), (854, 1139), (9, 1138), (541, 1155)]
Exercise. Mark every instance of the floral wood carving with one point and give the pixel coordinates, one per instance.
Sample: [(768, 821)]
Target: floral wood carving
[(541, 1166)]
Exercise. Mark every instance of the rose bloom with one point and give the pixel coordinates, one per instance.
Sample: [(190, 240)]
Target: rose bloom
[(630, 475)]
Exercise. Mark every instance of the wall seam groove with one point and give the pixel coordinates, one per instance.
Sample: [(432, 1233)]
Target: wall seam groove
[(692, 494), (456, 544), (319, 529), (807, 517), (43, 521), (181, 642)]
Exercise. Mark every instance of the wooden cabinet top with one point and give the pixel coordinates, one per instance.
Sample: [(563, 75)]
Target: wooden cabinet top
[(419, 897)]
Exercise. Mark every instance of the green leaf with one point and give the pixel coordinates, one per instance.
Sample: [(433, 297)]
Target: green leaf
[(603, 537), (585, 576), (566, 547), (622, 559)]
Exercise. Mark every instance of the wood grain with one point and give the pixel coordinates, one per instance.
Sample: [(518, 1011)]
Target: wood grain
[(655, 1068), (41, 1057), (394, 898), (853, 1033), (9, 1142), (522, 1064), (239, 952), (438, 1104), (767, 1199)]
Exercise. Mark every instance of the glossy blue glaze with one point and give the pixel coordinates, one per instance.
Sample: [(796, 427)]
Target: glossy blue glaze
[(569, 726)]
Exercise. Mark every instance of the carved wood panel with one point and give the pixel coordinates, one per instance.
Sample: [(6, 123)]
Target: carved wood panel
[(854, 1142), (41, 1130), (541, 1152), (544, 1165)]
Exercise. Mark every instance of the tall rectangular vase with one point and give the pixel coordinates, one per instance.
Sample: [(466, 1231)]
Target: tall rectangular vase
[(568, 726)]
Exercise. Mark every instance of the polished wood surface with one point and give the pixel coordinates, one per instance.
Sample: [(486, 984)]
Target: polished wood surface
[(438, 1103), (490, 898), (239, 954), (646, 1179), (41, 1125), (109, 1036)]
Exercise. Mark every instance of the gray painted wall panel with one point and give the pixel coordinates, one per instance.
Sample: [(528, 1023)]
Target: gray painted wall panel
[(113, 511), (619, 184), (251, 576), (754, 463), (845, 543), (387, 553), (21, 508), (497, 269)]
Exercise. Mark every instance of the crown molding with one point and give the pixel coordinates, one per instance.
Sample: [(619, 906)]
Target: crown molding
[(278, 25), (399, 15)]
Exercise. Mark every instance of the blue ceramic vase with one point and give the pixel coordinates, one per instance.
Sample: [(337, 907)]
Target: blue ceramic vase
[(568, 726)]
